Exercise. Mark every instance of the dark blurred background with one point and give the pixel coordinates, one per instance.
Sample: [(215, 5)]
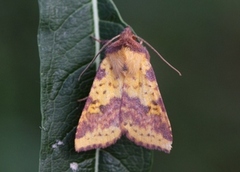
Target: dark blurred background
[(200, 38)]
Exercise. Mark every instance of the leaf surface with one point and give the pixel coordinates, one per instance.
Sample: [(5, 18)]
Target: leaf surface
[(65, 48)]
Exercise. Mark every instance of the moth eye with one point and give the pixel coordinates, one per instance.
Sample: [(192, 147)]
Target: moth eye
[(134, 38)]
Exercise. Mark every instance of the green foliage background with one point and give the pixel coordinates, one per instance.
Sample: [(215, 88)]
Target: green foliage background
[(200, 38)]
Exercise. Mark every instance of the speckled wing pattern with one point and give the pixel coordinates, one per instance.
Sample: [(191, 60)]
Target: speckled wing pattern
[(143, 116), (99, 125), (124, 100)]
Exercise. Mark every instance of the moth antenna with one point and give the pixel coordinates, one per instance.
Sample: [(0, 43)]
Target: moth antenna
[(94, 58), (142, 40)]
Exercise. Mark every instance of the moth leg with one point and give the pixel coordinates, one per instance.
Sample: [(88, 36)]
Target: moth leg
[(83, 99)]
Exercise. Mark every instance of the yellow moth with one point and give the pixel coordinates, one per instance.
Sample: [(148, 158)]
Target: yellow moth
[(124, 100)]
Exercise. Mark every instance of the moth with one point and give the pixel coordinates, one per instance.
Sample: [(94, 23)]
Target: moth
[(124, 100)]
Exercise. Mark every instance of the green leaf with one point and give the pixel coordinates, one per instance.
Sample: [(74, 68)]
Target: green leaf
[(65, 48)]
